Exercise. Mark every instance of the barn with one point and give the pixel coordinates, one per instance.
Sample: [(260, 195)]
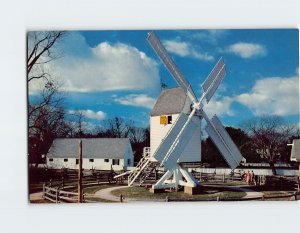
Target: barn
[(166, 110), (97, 153)]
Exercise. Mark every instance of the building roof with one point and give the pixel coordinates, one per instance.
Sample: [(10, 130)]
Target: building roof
[(295, 153), (170, 101), (91, 148)]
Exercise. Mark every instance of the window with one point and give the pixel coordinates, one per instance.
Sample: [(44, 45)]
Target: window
[(128, 161), (169, 119), (50, 160), (106, 160), (65, 160), (164, 120), (91, 160), (115, 162), (77, 161)]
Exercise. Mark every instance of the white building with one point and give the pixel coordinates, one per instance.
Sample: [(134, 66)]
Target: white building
[(295, 152), (97, 153), (166, 110)]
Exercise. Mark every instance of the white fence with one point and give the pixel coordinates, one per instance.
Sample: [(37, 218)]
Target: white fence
[(257, 171)]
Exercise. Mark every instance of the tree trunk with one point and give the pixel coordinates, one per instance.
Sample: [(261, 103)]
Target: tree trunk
[(273, 168)]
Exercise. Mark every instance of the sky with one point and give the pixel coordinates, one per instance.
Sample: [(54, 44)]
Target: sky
[(116, 73)]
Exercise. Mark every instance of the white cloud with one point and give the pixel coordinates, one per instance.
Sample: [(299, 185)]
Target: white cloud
[(141, 100), (184, 49), (99, 115), (105, 67), (210, 36), (219, 107), (273, 95), (247, 50), (179, 48)]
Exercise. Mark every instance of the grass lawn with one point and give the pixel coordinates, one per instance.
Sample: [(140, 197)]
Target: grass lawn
[(98, 199), (208, 194)]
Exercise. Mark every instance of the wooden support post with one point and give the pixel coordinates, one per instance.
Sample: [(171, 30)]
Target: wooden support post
[(80, 173), (299, 178), (56, 195), (62, 182), (121, 198), (43, 190)]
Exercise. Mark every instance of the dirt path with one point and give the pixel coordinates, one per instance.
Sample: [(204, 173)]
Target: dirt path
[(106, 194), (36, 196)]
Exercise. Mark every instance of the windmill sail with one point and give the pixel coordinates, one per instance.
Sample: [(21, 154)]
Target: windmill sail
[(223, 142), (214, 79), (175, 141), (170, 65)]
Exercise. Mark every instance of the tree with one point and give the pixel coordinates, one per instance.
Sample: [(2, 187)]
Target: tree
[(139, 138), (40, 51), (45, 112), (269, 136), (118, 128)]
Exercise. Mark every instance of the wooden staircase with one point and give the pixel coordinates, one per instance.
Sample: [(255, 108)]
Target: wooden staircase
[(143, 169)]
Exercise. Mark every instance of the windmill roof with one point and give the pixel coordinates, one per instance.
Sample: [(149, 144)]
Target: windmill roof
[(91, 148), (170, 101)]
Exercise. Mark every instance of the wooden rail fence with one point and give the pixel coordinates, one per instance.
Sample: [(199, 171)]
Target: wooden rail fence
[(58, 195), (293, 196)]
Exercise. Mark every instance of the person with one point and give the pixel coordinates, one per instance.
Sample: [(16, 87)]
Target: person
[(248, 177), (243, 175), (253, 181)]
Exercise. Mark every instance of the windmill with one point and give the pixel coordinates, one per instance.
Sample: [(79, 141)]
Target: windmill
[(170, 150)]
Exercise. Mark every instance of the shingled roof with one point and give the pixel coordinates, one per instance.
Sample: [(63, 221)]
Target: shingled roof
[(170, 101), (91, 148)]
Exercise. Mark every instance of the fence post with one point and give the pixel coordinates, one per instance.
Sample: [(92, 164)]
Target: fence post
[(200, 177), (263, 197), (295, 194), (223, 177), (83, 197), (167, 199), (50, 183), (121, 198), (218, 198), (80, 173), (43, 190), (56, 195), (62, 182)]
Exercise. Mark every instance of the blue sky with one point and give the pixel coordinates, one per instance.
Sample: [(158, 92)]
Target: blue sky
[(116, 73)]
